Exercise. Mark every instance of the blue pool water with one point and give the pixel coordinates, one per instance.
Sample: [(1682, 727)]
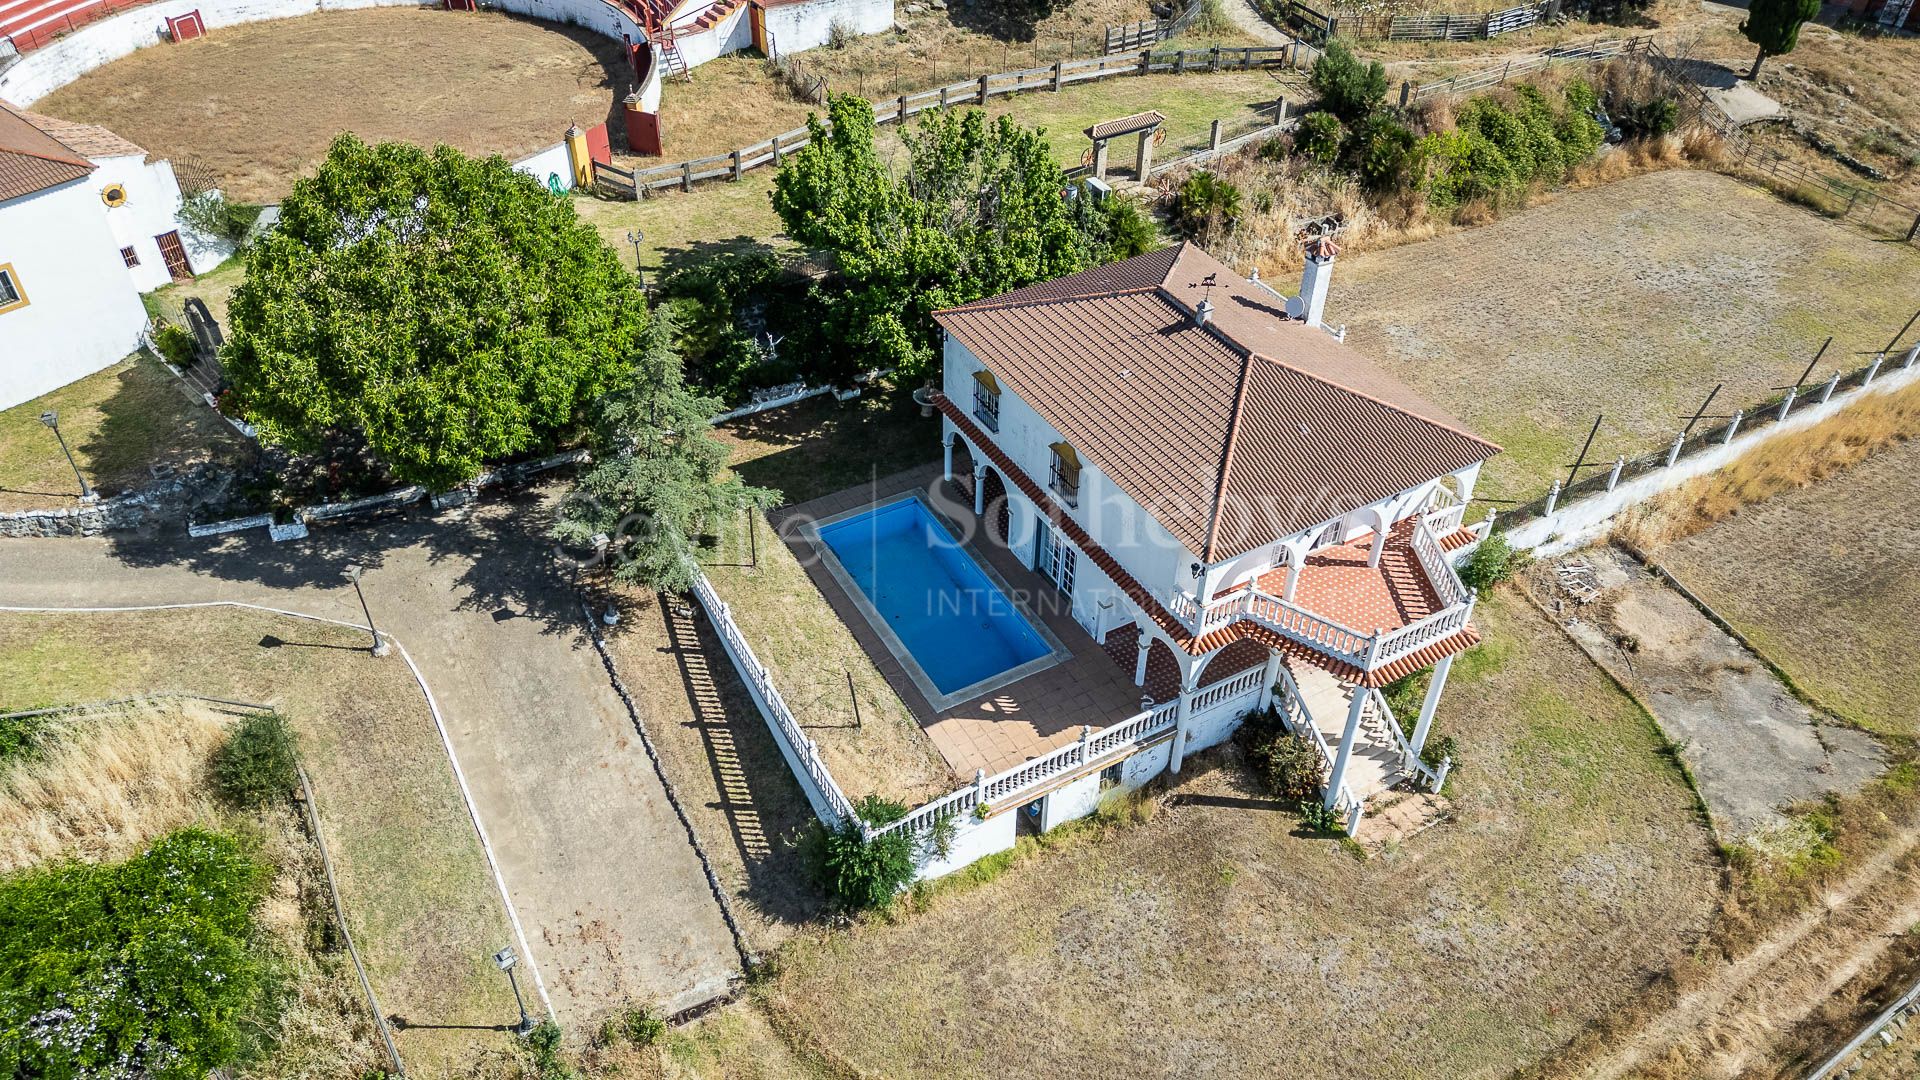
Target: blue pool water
[(957, 624)]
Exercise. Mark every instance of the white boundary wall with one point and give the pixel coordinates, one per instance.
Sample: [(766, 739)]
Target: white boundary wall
[(1576, 524)]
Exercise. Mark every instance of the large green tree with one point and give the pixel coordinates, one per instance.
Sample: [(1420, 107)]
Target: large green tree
[(445, 310), (659, 476), (1349, 87), (977, 211), (1774, 25)]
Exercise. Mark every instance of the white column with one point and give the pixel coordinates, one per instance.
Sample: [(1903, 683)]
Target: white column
[(979, 490), (1379, 544), (1431, 703), (1346, 744), (948, 446), (1180, 721), (1268, 678), (1296, 558), (1140, 663)]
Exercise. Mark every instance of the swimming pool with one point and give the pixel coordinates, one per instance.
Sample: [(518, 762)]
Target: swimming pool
[(950, 624)]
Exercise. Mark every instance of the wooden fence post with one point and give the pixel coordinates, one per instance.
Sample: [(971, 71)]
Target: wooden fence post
[(983, 89), (776, 149), (1056, 76), (902, 118), (736, 164), (1213, 137), (686, 176), (1914, 229), (1146, 61), (1406, 93), (1216, 59), (1180, 62)]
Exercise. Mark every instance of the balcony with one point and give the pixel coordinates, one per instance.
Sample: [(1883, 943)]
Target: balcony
[(1363, 616)]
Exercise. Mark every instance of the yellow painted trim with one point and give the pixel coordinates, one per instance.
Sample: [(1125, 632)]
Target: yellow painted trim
[(14, 276), (985, 378)]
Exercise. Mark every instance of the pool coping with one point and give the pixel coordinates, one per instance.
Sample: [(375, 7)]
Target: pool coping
[(1058, 653)]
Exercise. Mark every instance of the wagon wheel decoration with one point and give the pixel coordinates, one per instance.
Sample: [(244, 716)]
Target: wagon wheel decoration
[(1159, 136), (1086, 159)]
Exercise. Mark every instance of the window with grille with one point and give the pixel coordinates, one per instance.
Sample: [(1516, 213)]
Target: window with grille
[(11, 294), (986, 399), (1064, 473), (128, 256)]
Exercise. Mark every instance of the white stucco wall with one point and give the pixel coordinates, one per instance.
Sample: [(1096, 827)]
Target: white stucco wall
[(805, 25), (973, 839), (1074, 800), (82, 312), (551, 162), (153, 200)]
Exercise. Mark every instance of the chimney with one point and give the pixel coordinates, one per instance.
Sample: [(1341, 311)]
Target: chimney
[(1203, 314), (1315, 278)]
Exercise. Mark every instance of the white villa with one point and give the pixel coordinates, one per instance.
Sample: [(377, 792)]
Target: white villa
[(87, 224), (1219, 484), (1197, 502)]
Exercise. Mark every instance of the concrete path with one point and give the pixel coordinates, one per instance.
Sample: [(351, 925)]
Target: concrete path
[(1751, 746), (612, 895), (1242, 15)]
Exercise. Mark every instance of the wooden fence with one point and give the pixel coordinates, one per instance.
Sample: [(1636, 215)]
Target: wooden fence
[(1317, 26), (637, 183), (1131, 37), (1586, 53)]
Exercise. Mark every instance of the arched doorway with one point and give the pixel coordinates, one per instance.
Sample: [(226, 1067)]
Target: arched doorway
[(999, 515)]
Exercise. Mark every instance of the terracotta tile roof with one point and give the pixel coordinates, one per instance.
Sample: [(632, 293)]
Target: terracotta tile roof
[(1151, 607), (1232, 435), (87, 140), (1126, 125), (32, 160)]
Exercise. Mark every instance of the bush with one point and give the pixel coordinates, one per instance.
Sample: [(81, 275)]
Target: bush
[(210, 214), (1382, 152), (840, 34), (255, 766), (1493, 562), (543, 1044), (1349, 88), (640, 1027), (1648, 119), (856, 873), (177, 344), (136, 969), (1205, 206), (20, 736), (1287, 764), (1129, 232), (1319, 137)]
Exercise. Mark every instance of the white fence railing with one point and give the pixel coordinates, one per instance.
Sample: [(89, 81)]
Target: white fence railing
[(1296, 718), (1438, 568), (1409, 760)]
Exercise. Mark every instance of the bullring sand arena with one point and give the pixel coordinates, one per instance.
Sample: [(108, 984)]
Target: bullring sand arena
[(257, 103)]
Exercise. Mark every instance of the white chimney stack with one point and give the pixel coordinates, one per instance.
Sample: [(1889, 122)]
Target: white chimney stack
[(1315, 278), (1203, 314)]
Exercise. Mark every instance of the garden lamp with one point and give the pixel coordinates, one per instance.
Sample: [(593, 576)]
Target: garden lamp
[(51, 418)]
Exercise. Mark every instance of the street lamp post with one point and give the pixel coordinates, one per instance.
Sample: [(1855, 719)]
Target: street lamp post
[(354, 571), (51, 418), (634, 237), (505, 958)]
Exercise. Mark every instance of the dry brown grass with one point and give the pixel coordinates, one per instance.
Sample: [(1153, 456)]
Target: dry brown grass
[(108, 784), (1779, 465), (259, 102)]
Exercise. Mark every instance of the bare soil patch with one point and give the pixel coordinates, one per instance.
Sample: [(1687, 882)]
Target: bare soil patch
[(258, 103), (1212, 940), (1633, 300), (1840, 575)]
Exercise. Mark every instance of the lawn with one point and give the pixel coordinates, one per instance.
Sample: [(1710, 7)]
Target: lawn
[(257, 103), (1820, 579), (1631, 300), (419, 897), (1215, 939), (119, 423)]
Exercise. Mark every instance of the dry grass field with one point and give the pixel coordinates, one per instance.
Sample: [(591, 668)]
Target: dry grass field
[(1821, 579), (1215, 940), (1631, 299), (119, 423), (420, 900), (258, 103)]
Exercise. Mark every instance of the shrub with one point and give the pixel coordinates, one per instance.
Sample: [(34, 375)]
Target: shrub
[(136, 969), (1463, 165), (177, 344), (855, 872), (1493, 562), (210, 214), (1320, 136), (543, 1044), (840, 34), (1287, 764), (1648, 119), (20, 736), (1205, 206), (1129, 232), (1382, 151), (1322, 818), (1349, 87), (255, 766), (640, 1027)]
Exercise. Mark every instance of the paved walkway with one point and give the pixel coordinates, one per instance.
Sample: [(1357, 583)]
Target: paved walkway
[(1242, 15), (611, 893)]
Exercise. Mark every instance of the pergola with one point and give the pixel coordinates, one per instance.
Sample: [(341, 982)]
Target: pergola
[(1144, 124)]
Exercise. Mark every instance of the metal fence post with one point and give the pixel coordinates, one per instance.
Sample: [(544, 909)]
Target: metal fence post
[(1913, 355), (1832, 385), (1553, 499), (1673, 452), (1613, 477), (1733, 426), (1786, 404), (1873, 369)]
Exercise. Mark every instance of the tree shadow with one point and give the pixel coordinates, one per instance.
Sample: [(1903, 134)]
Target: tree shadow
[(617, 70), (152, 426), (827, 445), (699, 253)]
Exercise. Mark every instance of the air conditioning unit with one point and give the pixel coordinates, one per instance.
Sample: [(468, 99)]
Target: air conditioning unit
[(1099, 190)]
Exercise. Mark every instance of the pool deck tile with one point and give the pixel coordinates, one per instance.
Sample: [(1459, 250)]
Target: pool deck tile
[(1012, 723)]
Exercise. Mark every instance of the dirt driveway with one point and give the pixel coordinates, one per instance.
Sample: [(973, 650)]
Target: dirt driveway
[(1753, 748), (615, 904)]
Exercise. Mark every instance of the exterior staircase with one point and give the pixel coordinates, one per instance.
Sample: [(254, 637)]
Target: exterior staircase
[(1376, 763), (676, 65), (718, 10)]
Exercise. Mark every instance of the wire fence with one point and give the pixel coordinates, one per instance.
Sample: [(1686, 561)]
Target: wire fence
[(1317, 26)]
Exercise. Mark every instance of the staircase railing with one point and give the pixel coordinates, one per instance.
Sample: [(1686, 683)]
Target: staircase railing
[(1296, 718), (1410, 762)]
